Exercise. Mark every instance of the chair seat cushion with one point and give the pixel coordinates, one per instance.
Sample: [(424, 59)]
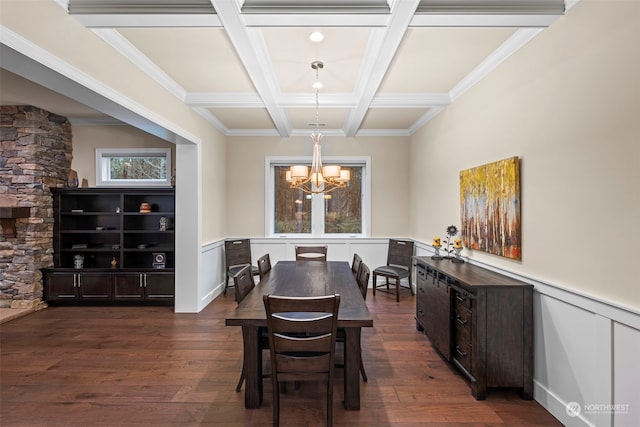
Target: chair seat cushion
[(391, 271)]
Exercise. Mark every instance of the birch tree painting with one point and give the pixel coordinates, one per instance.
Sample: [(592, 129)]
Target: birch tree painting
[(490, 208)]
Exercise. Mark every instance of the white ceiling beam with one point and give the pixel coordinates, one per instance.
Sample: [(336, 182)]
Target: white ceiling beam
[(148, 21), (143, 13), (410, 100), (510, 21), (315, 6), (381, 51), (253, 53), (316, 20), (224, 100)]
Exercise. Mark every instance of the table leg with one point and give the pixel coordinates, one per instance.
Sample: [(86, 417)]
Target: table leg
[(352, 369), (252, 367)]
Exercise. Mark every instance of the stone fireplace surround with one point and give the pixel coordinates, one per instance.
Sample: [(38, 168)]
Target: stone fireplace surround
[(36, 153)]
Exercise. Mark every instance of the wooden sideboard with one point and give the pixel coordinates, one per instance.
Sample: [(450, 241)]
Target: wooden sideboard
[(480, 321)]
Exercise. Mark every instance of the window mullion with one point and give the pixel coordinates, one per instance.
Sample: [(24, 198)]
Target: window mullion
[(317, 215)]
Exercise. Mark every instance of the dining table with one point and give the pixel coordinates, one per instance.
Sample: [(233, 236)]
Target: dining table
[(303, 279)]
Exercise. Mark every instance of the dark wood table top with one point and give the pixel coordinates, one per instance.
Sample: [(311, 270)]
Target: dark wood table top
[(305, 279)]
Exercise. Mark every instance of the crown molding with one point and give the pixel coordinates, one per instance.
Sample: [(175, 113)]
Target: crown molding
[(497, 57), (117, 41), (426, 118)]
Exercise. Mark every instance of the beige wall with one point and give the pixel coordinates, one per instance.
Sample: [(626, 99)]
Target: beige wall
[(568, 104), (87, 138), (389, 179)]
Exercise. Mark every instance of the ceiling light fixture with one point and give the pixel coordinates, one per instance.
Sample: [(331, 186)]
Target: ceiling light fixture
[(320, 179), (316, 36)]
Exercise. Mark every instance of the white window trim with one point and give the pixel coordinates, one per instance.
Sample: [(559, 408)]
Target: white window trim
[(270, 161), (102, 171)]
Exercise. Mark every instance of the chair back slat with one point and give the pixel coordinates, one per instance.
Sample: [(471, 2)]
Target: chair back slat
[(364, 273), (400, 253), (311, 253), (355, 264), (264, 265), (237, 252), (243, 282), (285, 344)]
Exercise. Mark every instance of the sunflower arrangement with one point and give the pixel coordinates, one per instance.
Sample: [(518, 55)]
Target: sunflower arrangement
[(452, 231)]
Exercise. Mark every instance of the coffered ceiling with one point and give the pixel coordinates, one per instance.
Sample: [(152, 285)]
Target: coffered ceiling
[(245, 66)]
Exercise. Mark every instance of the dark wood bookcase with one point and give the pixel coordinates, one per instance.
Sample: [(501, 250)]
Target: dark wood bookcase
[(128, 256), (480, 321)]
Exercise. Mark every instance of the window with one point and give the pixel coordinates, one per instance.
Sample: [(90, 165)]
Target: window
[(129, 167), (340, 213)]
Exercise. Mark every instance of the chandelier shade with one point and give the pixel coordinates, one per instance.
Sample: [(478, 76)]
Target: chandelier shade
[(319, 179)]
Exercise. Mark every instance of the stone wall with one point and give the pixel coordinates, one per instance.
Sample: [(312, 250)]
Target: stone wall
[(36, 152)]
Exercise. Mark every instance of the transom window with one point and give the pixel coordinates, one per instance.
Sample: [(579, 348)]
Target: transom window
[(340, 213), (130, 167)]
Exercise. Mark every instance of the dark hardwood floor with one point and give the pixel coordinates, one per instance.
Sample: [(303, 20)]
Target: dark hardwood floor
[(147, 366)]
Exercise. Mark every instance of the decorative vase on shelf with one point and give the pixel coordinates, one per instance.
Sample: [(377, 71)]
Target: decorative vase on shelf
[(72, 179), (145, 207)]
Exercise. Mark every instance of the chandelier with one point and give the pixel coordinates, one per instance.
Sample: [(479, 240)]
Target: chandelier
[(320, 179)]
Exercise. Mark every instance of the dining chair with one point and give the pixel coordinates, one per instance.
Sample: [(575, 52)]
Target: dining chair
[(398, 267), (244, 283), (355, 264), (311, 253), (364, 273), (302, 339), (237, 254), (264, 265), (363, 283)]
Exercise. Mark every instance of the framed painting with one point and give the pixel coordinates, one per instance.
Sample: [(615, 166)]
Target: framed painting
[(490, 208)]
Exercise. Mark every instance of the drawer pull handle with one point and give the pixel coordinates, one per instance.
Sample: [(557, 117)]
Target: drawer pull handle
[(460, 352), (461, 320)]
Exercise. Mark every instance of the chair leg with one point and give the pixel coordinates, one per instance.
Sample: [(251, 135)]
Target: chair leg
[(362, 372), (375, 280), (411, 285), (397, 290), (239, 386), (329, 404), (226, 285), (276, 403)]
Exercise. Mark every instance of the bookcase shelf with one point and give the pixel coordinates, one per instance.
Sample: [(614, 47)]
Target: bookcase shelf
[(119, 245)]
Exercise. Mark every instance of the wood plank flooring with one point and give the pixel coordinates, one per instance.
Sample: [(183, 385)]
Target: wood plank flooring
[(148, 366)]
